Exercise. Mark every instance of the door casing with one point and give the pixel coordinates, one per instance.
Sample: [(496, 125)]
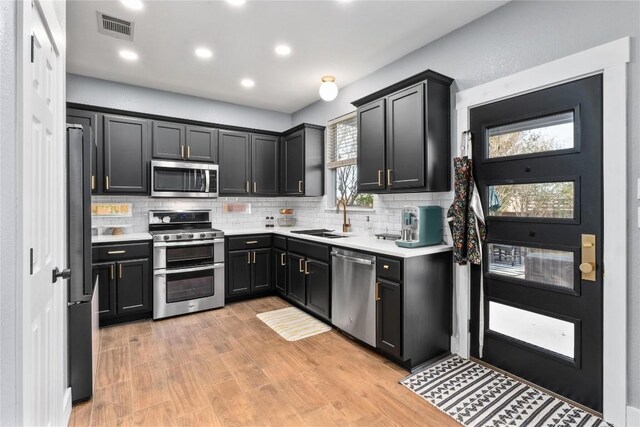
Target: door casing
[(610, 60)]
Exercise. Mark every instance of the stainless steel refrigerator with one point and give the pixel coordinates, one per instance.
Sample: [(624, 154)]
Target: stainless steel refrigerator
[(83, 286)]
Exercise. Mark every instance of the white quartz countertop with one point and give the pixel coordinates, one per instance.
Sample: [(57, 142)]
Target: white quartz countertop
[(127, 237), (353, 241)]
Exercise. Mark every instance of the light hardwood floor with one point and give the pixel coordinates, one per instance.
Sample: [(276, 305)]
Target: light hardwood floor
[(226, 368)]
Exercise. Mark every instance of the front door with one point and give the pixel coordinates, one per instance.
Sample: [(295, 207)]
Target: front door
[(538, 166)]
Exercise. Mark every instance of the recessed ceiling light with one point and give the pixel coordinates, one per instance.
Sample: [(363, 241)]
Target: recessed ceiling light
[(133, 4), (247, 83), (204, 53), (236, 2), (283, 50), (129, 55)]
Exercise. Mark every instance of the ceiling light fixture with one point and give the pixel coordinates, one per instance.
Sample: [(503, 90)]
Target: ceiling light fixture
[(133, 4), (283, 50), (328, 89), (129, 55), (236, 2), (204, 53), (248, 83)]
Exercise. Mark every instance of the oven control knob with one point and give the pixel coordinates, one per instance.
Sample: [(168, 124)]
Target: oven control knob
[(190, 236), (165, 237), (178, 236), (203, 235)]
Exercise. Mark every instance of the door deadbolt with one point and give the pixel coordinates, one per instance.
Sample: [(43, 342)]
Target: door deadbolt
[(588, 264)]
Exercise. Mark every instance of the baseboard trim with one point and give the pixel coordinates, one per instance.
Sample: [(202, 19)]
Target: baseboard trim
[(66, 407), (633, 416)]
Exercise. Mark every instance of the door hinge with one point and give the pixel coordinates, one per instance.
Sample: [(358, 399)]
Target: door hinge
[(33, 41), (31, 261)]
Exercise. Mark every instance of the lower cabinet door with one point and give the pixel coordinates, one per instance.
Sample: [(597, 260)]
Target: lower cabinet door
[(318, 287), (132, 286), (297, 287), (261, 270), (388, 322), (239, 273), (280, 271), (106, 288)]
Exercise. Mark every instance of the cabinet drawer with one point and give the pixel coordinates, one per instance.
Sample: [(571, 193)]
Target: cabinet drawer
[(120, 251), (312, 250), (248, 242), (280, 242), (390, 269)]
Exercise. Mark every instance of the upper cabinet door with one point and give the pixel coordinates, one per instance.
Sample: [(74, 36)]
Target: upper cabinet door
[(234, 168), (371, 147), (89, 122), (294, 164), (202, 144), (169, 141), (126, 154), (264, 165), (406, 139)]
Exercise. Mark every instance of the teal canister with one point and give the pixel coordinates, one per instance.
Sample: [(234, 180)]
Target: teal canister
[(430, 225)]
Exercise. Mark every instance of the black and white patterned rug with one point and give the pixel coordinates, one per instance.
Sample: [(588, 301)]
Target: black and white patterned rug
[(475, 396)]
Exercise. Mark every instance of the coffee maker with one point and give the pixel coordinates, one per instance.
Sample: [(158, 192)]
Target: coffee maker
[(421, 226)]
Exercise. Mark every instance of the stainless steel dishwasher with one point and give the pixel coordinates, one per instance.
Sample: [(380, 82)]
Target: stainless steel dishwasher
[(353, 305)]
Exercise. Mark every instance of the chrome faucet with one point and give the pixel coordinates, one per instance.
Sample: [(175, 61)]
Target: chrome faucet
[(345, 226)]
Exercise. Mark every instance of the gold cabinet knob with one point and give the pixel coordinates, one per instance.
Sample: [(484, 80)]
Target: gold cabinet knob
[(586, 267)]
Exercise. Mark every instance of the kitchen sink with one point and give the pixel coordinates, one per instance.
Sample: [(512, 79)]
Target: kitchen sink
[(329, 234)]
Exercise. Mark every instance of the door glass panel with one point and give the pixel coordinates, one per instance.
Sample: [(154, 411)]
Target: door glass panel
[(532, 328), (550, 133), (545, 266), (190, 286), (537, 200)]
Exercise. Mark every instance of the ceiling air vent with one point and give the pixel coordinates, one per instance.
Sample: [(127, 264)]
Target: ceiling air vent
[(115, 27)]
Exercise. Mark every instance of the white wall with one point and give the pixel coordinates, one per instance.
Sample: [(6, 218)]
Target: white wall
[(8, 223), (103, 93), (512, 38)]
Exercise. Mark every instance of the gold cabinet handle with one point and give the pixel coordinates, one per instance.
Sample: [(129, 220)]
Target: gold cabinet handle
[(380, 173), (93, 182), (119, 271), (254, 257), (386, 267), (248, 187), (251, 242), (282, 262), (248, 257), (116, 252), (111, 272), (306, 268), (389, 177), (106, 182), (182, 151), (300, 261), (299, 186), (255, 187), (377, 291), (188, 151)]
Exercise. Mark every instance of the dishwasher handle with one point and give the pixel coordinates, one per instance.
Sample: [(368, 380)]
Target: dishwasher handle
[(353, 259)]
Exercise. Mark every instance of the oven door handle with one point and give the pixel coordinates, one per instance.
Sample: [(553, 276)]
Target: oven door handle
[(167, 272), (190, 243)]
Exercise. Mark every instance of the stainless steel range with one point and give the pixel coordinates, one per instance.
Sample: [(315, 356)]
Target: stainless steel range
[(188, 262)]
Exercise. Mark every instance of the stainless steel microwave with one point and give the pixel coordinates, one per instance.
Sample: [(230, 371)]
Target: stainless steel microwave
[(183, 179)]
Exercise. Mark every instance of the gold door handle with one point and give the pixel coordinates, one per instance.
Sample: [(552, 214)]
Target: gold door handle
[(93, 182), (248, 257), (306, 268), (385, 266), (588, 263), (380, 173), (255, 187), (254, 257), (119, 271), (389, 177), (282, 262), (106, 182), (182, 151), (188, 151), (111, 272), (300, 268), (299, 186), (377, 291)]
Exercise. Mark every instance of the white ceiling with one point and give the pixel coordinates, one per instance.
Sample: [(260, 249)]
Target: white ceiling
[(346, 39)]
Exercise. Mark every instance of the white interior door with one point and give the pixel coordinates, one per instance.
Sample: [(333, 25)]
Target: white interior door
[(43, 214)]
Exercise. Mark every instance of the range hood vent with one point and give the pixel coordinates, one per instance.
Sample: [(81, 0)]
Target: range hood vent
[(115, 27)]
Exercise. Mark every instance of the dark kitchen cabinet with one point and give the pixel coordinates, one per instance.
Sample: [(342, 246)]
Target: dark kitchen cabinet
[(318, 287), (303, 161), (404, 142), (168, 141), (249, 263), (372, 147), (126, 154), (234, 163), (261, 270), (202, 144), (106, 273), (297, 289), (388, 318), (239, 276), (265, 165), (132, 286), (89, 121), (280, 271)]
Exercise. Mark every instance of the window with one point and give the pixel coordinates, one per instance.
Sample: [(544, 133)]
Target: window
[(343, 161)]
